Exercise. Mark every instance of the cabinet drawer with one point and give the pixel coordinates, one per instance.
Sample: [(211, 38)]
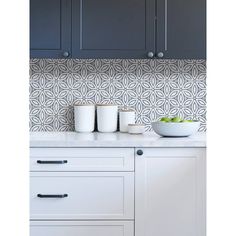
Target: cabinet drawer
[(82, 195), (84, 228), (82, 159)]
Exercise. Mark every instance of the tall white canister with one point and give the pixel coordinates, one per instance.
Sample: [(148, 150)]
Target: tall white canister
[(107, 117), (84, 117), (127, 116)]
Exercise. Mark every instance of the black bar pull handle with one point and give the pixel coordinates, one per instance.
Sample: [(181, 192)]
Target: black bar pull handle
[(52, 195), (52, 162)]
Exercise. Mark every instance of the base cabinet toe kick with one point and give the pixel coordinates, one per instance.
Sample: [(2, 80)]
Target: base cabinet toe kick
[(117, 191)]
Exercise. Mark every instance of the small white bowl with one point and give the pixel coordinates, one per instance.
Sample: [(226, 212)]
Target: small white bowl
[(136, 128), (171, 129)]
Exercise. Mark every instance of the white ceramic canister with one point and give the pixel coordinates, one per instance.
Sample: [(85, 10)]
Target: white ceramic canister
[(107, 117), (127, 116), (84, 117)]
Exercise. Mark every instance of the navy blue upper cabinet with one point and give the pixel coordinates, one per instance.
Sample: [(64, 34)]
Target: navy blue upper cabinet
[(166, 29), (181, 29), (50, 28), (113, 28)]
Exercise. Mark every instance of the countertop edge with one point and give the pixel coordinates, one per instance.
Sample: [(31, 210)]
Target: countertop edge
[(114, 140)]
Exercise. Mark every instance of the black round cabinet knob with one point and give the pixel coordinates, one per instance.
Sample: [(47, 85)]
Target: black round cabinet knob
[(140, 152)]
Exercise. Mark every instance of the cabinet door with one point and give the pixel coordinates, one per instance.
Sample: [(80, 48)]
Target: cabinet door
[(82, 228), (81, 159), (50, 28), (170, 192), (112, 28), (181, 29), (82, 195)]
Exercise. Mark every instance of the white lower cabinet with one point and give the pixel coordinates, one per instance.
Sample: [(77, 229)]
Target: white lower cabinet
[(82, 228), (164, 195), (170, 192)]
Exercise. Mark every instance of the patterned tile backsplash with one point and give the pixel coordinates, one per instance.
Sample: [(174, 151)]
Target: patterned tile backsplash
[(154, 88)]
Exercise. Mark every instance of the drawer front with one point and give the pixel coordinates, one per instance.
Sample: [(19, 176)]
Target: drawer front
[(82, 195), (82, 159), (84, 228)]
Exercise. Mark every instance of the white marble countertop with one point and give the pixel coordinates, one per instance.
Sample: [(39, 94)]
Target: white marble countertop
[(149, 139)]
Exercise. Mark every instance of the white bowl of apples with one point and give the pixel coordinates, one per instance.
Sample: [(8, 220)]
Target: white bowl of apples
[(175, 127)]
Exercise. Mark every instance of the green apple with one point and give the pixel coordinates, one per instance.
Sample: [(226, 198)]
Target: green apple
[(187, 121), (176, 119), (165, 119)]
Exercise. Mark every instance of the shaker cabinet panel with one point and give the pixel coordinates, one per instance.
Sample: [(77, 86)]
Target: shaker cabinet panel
[(82, 228), (82, 195), (50, 28), (181, 28), (170, 192), (112, 29), (81, 159)]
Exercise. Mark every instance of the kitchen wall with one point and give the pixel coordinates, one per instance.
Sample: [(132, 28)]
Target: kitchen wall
[(154, 88)]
